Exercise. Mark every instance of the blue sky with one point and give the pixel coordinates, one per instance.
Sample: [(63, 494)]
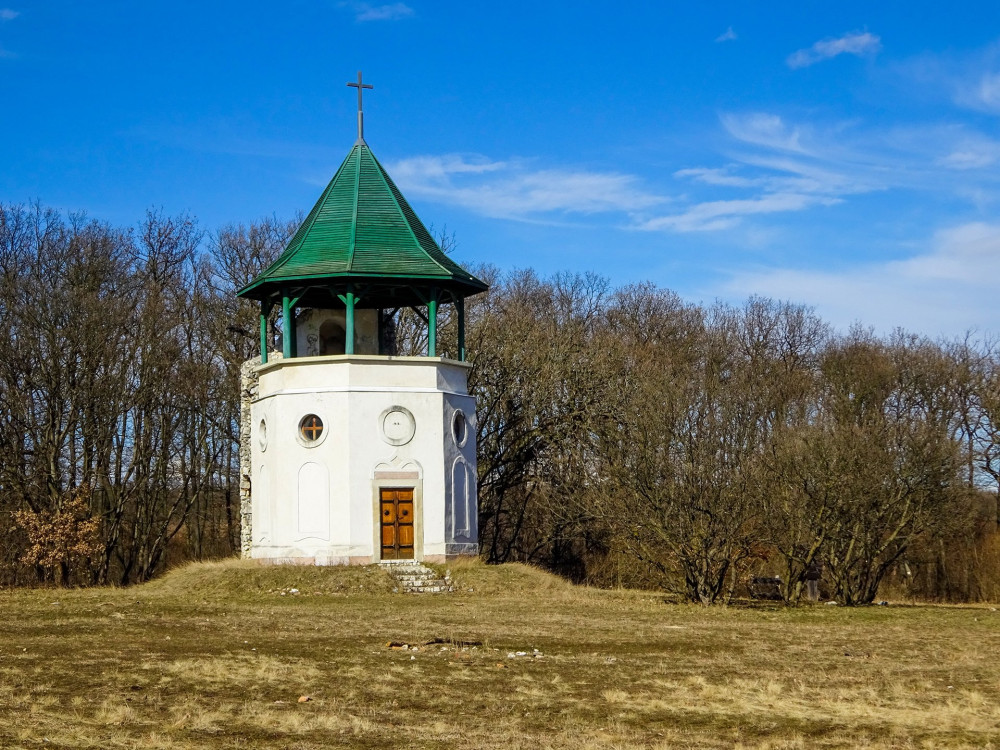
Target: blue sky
[(843, 155)]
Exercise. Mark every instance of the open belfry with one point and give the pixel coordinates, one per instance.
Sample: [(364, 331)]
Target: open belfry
[(355, 455)]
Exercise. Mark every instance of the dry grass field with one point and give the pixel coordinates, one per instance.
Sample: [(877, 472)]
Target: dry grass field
[(225, 655)]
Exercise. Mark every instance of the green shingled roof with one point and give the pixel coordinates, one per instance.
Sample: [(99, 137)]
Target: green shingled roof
[(362, 233)]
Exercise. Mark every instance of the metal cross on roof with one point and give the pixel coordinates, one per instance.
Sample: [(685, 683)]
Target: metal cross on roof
[(361, 122)]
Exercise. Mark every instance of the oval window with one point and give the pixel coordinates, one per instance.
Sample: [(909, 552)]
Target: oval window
[(311, 428), (262, 435), (459, 428)]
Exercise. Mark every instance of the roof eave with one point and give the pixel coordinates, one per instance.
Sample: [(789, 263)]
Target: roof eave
[(269, 286)]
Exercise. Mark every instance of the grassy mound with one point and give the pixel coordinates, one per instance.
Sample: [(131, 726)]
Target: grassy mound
[(249, 578), (475, 576)]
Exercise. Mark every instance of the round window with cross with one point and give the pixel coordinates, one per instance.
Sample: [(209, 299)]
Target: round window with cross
[(311, 428)]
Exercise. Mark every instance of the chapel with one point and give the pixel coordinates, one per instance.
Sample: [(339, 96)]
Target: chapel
[(354, 454)]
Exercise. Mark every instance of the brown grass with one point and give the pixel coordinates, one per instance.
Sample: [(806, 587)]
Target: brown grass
[(218, 655)]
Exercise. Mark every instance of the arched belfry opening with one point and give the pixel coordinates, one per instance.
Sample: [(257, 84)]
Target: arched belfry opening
[(332, 338), (360, 255)]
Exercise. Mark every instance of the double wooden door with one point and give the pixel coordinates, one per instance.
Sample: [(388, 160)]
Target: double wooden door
[(396, 516)]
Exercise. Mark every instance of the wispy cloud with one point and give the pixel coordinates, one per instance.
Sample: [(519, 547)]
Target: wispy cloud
[(942, 291), (388, 12), (715, 215), (860, 43), (978, 89), (719, 176), (726, 36), (969, 79), (6, 14), (778, 168), (515, 190), (971, 151), (763, 129), (781, 168)]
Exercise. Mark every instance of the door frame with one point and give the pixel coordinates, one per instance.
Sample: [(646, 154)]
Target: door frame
[(398, 480)]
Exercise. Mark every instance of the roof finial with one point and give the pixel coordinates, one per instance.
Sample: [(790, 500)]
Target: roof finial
[(361, 118)]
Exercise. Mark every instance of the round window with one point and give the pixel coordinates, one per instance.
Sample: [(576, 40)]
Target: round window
[(460, 428), (311, 428), (262, 435)]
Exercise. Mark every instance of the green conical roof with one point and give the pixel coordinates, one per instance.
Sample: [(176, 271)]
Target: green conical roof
[(362, 233)]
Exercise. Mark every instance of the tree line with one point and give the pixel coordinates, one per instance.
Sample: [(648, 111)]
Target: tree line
[(626, 437)]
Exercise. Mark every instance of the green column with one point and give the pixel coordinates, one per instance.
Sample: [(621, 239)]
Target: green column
[(432, 327), (460, 310), (286, 327), (263, 333), (349, 320), (381, 331)]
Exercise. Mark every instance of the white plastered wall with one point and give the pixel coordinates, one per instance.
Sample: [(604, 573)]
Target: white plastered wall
[(314, 502)]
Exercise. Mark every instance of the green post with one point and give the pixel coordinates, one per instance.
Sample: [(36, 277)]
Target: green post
[(286, 327), (460, 310), (263, 333), (381, 331), (432, 326), (349, 320)]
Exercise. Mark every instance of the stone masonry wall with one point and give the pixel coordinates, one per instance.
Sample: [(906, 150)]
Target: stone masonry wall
[(249, 383)]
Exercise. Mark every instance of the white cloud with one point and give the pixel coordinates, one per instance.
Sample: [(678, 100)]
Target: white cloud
[(513, 190), (437, 168), (830, 176), (715, 215), (6, 14), (971, 151), (792, 177), (970, 79), (972, 87), (947, 290), (726, 36), (979, 90), (783, 169), (858, 43), (989, 90), (968, 254), (389, 12), (851, 157), (718, 176), (763, 129), (777, 166)]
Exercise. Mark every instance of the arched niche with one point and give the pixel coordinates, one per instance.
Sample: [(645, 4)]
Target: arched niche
[(321, 332), (331, 337)]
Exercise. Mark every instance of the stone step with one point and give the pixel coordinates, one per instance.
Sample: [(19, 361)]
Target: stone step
[(416, 578)]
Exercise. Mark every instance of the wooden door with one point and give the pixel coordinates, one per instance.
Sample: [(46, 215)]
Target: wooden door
[(396, 516)]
